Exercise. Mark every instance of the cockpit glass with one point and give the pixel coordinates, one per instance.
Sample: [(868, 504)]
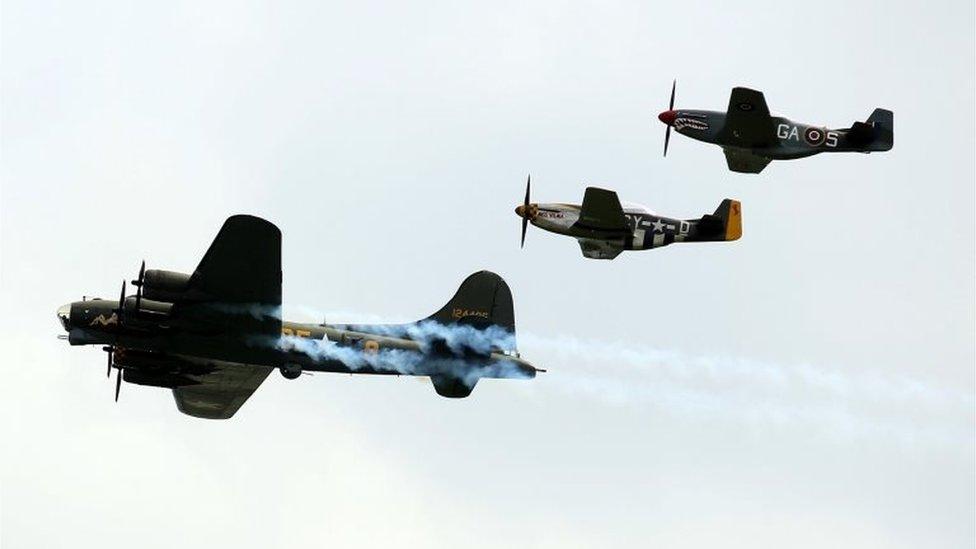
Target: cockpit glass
[(64, 314)]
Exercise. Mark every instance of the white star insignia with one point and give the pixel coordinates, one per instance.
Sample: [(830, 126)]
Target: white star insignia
[(658, 226)]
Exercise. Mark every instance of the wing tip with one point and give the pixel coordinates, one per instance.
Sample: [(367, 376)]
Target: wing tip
[(252, 221)]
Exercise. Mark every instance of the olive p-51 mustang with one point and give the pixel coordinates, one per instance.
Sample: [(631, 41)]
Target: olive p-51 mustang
[(751, 137), (214, 335), (604, 227)]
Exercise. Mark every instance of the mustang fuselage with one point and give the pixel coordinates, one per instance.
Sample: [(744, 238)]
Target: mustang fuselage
[(751, 137), (793, 139), (645, 230)]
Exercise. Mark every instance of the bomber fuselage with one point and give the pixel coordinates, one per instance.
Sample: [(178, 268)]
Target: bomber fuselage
[(411, 349)]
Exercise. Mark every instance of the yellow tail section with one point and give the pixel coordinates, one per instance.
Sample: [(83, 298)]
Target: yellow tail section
[(733, 223)]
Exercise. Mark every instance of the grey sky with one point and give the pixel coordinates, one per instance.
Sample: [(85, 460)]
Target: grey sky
[(810, 385)]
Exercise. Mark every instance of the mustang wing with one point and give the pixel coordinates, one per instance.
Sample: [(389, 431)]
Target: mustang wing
[(598, 249), (747, 121), (243, 265), (601, 211), (221, 392), (744, 161)]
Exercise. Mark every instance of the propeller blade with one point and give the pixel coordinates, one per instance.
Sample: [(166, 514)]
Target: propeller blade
[(667, 132), (142, 274), (138, 285), (121, 303), (118, 384), (108, 371), (525, 210)]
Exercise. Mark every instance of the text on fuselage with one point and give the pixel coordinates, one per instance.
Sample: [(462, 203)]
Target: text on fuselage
[(811, 136)]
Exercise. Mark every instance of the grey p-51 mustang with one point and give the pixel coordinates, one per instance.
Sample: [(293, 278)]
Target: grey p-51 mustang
[(213, 336), (604, 227), (751, 137)]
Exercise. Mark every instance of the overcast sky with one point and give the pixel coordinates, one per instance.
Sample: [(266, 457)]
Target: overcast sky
[(810, 385)]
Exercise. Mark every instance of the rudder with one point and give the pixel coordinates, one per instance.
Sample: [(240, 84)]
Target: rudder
[(877, 133), (729, 212)]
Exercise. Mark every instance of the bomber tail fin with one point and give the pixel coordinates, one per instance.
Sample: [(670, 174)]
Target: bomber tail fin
[(877, 133), (482, 300), (477, 322)]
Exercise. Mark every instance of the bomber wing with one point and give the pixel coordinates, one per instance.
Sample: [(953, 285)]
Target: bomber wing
[(744, 161), (602, 211), (243, 264), (240, 275), (747, 121), (220, 393)]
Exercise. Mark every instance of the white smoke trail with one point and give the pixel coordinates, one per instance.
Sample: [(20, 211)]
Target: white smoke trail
[(459, 338), (821, 399), (459, 342), (825, 399), (402, 361)]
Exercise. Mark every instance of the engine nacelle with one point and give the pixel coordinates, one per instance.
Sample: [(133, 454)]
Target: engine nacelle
[(148, 309), (165, 380), (291, 371), (162, 285)]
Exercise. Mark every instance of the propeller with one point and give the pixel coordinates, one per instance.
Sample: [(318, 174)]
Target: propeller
[(120, 311), (138, 284), (110, 351), (667, 132), (118, 384), (525, 209), (108, 372)]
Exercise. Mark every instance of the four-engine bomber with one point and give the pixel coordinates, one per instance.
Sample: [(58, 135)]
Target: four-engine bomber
[(214, 336)]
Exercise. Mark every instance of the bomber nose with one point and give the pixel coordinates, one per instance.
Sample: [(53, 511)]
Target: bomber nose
[(64, 316), (667, 117)]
